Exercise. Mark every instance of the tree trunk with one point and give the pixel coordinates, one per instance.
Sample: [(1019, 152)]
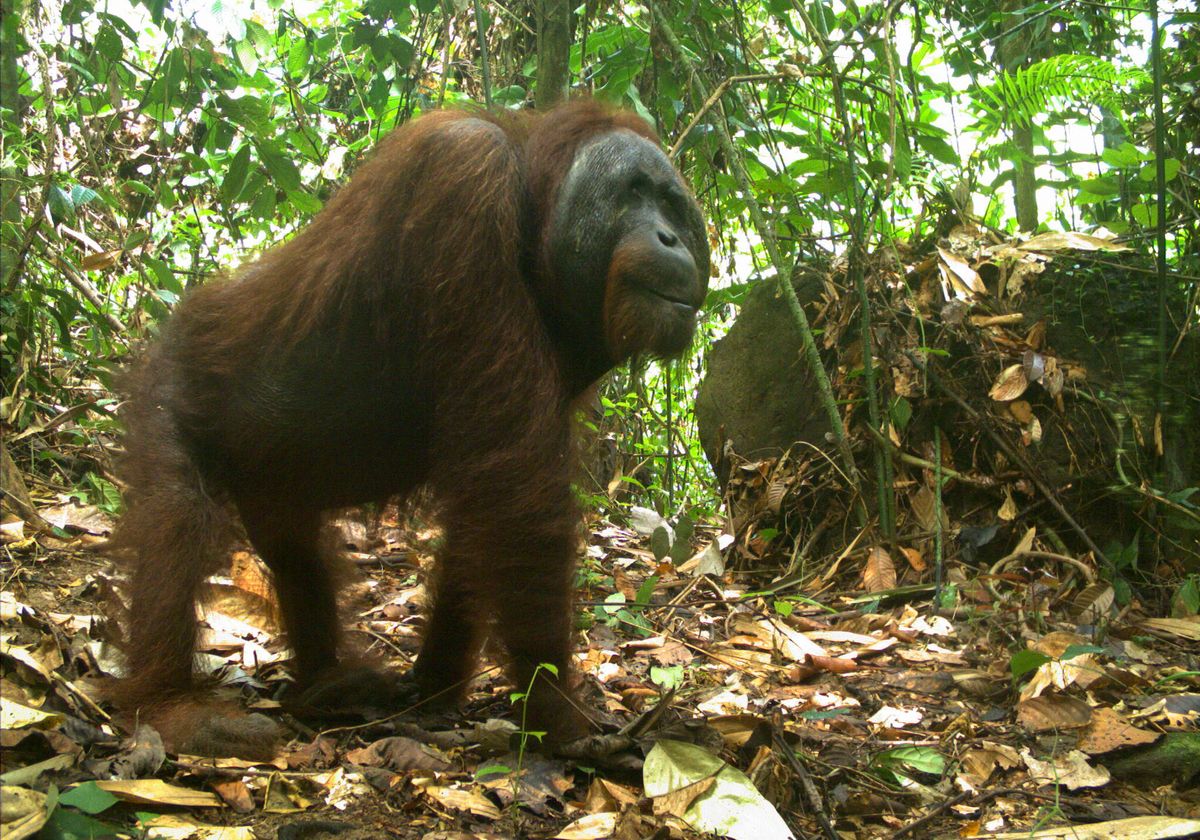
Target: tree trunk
[(10, 102), (1015, 52), (553, 52)]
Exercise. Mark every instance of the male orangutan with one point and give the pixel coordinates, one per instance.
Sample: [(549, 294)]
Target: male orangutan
[(431, 328)]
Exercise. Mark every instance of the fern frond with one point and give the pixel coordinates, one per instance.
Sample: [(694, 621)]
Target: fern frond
[(1063, 79)]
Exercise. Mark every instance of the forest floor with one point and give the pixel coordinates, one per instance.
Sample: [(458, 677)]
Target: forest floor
[(842, 710)]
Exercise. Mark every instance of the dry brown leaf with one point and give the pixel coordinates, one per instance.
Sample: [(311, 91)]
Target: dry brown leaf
[(1053, 712), (791, 643), (1026, 542), (1182, 628), (1010, 384), (1036, 337), (158, 792), (1008, 510), (924, 505), (978, 764), (1071, 770), (879, 574), (249, 573), (775, 493), (591, 827), (1108, 731), (235, 793), (472, 801), (1032, 434), (914, 558), (1094, 603), (1021, 411), (1069, 240), (1132, 828), (961, 275), (105, 259), (604, 795)]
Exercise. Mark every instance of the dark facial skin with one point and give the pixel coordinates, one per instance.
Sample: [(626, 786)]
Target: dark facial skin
[(628, 243)]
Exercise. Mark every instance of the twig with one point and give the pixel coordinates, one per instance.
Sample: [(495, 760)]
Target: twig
[(816, 804), (917, 461), (712, 100), (51, 141), (1045, 555), (92, 296), (485, 70)]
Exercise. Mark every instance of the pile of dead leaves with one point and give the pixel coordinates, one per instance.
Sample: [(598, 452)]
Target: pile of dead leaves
[(756, 713)]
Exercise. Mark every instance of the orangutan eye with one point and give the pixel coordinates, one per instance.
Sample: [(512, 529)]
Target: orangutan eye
[(640, 185)]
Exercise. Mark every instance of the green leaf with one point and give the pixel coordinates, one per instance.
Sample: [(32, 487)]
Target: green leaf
[(919, 759), (1149, 172), (247, 111), (163, 276), (280, 165), (646, 590), (1079, 650), (305, 202), (660, 542), (1024, 661), (297, 59), (1124, 155), (263, 206), (88, 798), (109, 43), (259, 36), (235, 175), (901, 412), (81, 195), (1145, 215), (247, 56), (938, 149), (61, 207), (1101, 186), (667, 678)]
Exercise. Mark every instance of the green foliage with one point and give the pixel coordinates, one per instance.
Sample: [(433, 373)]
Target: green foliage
[(1026, 94), (145, 151)]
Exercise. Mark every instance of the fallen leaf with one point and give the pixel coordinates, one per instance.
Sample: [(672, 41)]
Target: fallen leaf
[(730, 806), (1052, 712), (591, 827), (1010, 384), (961, 275), (1134, 828), (158, 792), (1108, 731), (460, 799), (1071, 770), (1069, 240)]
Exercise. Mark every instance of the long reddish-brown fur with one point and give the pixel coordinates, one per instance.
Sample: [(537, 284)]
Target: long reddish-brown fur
[(411, 316)]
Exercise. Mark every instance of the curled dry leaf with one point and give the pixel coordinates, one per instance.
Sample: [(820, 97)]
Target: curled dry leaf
[(1010, 384), (961, 275), (1008, 511), (914, 558), (1094, 603), (1032, 434), (880, 572)]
